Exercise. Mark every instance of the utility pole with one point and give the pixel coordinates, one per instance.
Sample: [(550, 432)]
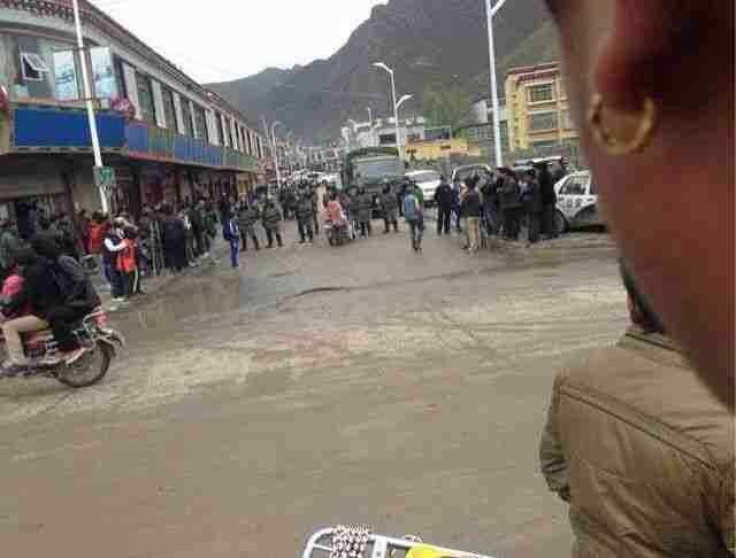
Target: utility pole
[(90, 107), (490, 12), (397, 103)]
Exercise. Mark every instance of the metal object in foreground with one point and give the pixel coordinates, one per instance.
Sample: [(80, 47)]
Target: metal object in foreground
[(320, 545)]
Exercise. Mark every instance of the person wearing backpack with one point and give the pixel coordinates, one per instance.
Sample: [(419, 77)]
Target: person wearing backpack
[(231, 234), (414, 215)]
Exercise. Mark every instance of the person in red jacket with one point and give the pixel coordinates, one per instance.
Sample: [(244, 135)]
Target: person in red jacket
[(97, 231), (127, 264)]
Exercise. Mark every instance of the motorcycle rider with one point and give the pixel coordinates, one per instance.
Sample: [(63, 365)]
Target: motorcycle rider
[(59, 294)]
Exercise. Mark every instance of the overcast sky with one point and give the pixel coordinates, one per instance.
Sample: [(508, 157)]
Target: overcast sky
[(217, 40)]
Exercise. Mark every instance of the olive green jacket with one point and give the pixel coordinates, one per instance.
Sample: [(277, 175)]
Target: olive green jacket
[(643, 453)]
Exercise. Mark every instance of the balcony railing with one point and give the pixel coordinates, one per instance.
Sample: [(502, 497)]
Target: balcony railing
[(63, 129)]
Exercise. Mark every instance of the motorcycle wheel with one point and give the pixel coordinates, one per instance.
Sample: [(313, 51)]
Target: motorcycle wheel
[(89, 370)]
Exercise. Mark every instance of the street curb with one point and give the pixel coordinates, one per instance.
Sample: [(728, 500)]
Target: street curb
[(155, 285)]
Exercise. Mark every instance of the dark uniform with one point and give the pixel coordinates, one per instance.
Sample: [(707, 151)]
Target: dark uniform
[(511, 207), (247, 219), (532, 198), (272, 223), (305, 217), (390, 209), (443, 199), (365, 206), (549, 200)]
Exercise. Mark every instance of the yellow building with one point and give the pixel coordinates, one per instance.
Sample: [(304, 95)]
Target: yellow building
[(429, 150), (538, 109)]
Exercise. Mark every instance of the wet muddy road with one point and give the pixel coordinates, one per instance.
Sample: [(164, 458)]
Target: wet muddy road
[(314, 386)]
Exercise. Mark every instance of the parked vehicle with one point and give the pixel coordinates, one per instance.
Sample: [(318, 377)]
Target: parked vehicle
[(558, 166), (361, 543), (577, 202), (464, 172), (428, 181), (93, 333)]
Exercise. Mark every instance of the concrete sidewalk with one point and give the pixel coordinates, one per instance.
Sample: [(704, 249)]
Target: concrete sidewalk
[(153, 285)]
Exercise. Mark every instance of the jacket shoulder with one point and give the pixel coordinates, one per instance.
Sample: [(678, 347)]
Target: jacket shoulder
[(652, 390)]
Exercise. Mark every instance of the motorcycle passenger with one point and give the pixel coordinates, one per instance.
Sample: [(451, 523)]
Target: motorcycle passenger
[(59, 295), (389, 208), (14, 283)]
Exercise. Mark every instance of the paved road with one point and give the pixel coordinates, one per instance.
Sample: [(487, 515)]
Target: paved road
[(313, 386)]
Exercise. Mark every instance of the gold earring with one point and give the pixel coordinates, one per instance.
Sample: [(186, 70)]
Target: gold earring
[(625, 132)]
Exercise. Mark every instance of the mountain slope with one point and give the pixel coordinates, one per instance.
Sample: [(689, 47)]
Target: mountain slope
[(425, 41)]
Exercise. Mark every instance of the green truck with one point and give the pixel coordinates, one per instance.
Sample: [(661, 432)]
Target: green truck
[(370, 167)]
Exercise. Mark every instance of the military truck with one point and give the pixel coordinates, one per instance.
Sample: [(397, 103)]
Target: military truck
[(370, 166)]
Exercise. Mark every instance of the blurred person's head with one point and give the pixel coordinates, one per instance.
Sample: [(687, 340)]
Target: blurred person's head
[(46, 246), (662, 153), (24, 258)]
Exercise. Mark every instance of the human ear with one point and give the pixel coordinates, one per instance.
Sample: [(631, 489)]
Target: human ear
[(655, 50)]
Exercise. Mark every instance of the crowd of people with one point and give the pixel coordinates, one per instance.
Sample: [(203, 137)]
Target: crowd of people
[(499, 205)]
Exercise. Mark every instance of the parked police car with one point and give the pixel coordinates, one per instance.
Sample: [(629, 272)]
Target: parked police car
[(577, 202)]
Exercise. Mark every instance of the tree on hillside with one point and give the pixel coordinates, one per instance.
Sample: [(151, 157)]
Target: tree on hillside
[(445, 106)]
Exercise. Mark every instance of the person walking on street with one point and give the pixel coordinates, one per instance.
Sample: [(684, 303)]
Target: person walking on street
[(443, 197), (549, 201), (414, 215), (247, 219), (365, 207), (231, 234), (531, 195), (390, 209), (472, 210), (305, 218), (272, 218)]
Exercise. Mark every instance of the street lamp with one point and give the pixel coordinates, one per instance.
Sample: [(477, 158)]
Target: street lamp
[(88, 102), (490, 12), (370, 115), (383, 66), (276, 153)]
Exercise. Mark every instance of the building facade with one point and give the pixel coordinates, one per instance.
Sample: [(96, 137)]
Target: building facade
[(479, 133), (538, 109), (381, 132), (167, 137), (435, 150)]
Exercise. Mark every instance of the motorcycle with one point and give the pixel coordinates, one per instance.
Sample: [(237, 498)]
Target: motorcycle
[(93, 334), (360, 542), (337, 234)]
